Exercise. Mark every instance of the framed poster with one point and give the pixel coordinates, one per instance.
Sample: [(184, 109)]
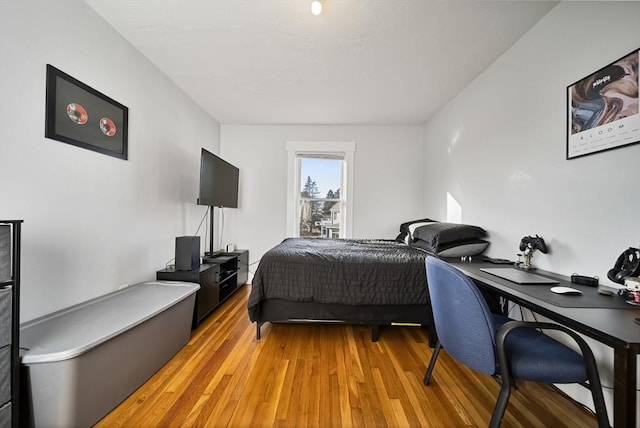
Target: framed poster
[(602, 109), (78, 114)]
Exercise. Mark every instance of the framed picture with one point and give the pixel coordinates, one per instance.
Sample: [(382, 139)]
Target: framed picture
[(602, 108), (78, 114)]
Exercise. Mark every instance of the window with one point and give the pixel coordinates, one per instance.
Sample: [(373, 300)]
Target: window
[(319, 202), (320, 181)]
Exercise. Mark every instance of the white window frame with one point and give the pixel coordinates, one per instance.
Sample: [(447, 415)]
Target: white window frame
[(298, 148)]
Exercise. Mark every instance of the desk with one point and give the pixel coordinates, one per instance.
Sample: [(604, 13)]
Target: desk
[(612, 327)]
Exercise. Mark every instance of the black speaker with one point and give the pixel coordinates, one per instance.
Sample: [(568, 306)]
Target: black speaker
[(187, 252)]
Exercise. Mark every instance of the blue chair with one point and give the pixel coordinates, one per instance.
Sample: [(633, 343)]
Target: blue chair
[(496, 345)]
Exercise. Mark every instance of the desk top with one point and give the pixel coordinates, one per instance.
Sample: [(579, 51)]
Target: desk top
[(613, 326)]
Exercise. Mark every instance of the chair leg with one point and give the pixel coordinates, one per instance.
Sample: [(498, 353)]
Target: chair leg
[(501, 404), (594, 382), (596, 392), (432, 363), (601, 409)]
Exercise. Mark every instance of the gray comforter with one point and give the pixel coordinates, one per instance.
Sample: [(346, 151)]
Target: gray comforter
[(340, 271)]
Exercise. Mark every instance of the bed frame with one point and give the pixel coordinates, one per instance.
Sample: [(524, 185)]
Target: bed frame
[(284, 311)]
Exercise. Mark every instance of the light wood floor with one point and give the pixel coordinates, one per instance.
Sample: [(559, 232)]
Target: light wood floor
[(301, 375)]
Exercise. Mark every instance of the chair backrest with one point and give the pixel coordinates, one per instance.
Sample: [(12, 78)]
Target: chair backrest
[(462, 318)]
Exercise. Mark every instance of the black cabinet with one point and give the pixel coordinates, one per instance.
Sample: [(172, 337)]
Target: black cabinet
[(9, 321), (243, 266), (219, 277)]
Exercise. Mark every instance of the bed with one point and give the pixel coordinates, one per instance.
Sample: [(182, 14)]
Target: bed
[(374, 282), (355, 281)]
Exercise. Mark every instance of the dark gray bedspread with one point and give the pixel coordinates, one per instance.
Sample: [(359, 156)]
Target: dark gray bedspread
[(340, 271)]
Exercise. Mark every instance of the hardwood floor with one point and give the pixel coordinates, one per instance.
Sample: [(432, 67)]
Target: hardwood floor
[(301, 375)]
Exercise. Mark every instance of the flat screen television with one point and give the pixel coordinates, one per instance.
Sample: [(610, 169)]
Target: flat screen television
[(218, 182)]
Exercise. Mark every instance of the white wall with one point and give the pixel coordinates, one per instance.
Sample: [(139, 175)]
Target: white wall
[(387, 188), (499, 148), (92, 222)]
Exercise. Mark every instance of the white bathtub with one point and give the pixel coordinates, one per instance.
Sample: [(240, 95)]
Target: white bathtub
[(84, 360)]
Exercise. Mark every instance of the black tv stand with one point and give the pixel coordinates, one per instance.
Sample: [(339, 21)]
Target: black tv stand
[(211, 256), (219, 276)]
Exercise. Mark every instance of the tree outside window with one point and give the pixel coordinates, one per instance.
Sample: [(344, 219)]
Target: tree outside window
[(320, 188), (320, 216)]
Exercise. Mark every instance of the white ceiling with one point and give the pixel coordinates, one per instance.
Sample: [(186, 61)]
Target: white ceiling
[(361, 62)]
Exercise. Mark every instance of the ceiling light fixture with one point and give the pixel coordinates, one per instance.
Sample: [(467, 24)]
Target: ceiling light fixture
[(316, 7)]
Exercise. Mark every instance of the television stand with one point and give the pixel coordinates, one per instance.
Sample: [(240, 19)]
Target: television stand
[(210, 257), (219, 276)]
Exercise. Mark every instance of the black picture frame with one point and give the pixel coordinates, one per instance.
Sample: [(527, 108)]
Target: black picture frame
[(79, 115), (603, 108)]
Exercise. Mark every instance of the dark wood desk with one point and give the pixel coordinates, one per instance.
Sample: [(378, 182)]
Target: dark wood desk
[(612, 327)]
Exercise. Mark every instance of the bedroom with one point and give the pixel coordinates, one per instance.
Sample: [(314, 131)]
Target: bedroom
[(98, 219)]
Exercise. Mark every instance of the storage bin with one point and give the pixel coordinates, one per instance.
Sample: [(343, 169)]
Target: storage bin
[(5, 316), (84, 360), (5, 373), (5, 416)]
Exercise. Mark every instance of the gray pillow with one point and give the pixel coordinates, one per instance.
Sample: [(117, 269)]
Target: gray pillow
[(406, 230), (441, 234), (455, 249)]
